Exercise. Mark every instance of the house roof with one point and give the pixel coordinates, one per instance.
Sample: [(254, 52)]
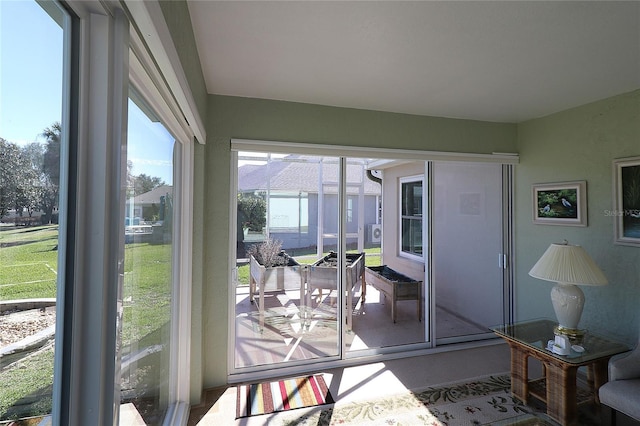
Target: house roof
[(299, 173), (503, 61), (154, 195)]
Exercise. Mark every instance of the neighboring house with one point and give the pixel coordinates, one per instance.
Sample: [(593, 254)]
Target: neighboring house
[(147, 207), (291, 186)]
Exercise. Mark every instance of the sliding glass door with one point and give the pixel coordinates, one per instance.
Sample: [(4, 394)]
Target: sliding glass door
[(305, 289), (287, 288), (346, 257), (392, 316), (467, 249)]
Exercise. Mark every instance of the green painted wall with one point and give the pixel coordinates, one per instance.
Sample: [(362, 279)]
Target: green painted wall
[(580, 144), (246, 118), (232, 117)]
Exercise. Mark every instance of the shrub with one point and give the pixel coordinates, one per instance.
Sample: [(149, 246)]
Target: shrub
[(252, 212)]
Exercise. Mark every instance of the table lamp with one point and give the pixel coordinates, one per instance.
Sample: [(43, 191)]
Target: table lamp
[(569, 266)]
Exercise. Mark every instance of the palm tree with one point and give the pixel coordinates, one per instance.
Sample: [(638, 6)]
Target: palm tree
[(51, 170)]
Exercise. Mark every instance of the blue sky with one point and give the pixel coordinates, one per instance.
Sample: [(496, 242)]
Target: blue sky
[(31, 71), (31, 89), (150, 146)]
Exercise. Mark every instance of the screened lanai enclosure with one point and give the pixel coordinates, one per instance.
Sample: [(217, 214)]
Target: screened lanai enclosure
[(340, 257)]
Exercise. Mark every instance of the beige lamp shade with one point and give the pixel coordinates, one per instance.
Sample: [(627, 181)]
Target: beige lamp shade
[(568, 264)]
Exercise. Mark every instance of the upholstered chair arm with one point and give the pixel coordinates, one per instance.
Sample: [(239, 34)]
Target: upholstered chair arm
[(625, 366)]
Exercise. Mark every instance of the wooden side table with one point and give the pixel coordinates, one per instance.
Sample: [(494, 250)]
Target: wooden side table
[(558, 389)]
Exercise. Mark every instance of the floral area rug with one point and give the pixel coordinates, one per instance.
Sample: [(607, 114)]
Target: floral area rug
[(481, 402)]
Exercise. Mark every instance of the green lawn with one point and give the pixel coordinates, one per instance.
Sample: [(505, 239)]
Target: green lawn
[(28, 262), (27, 387), (146, 291), (28, 269)]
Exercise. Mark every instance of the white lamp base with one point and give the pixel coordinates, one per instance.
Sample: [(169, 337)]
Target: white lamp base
[(568, 301)]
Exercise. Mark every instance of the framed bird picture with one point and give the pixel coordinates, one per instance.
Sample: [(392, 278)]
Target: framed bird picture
[(562, 203), (626, 189)]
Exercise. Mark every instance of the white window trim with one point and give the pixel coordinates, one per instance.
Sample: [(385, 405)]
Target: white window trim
[(403, 180), (149, 19), (233, 269), (147, 89), (254, 145), (180, 350), (85, 361), (148, 82), (66, 242), (86, 365)]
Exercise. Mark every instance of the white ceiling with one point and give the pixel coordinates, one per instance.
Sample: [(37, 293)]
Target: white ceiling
[(485, 60)]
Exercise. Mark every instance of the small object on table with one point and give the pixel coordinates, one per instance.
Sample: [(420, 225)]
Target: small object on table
[(561, 345), (577, 348)]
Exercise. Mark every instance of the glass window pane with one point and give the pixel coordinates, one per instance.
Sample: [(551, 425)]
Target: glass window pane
[(31, 93), (288, 212), (411, 224), (467, 225), (412, 199), (287, 280), (148, 271), (412, 236)]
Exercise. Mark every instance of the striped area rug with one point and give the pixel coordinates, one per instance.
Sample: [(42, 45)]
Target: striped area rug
[(268, 397)]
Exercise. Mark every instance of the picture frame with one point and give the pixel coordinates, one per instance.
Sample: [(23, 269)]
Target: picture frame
[(561, 203), (626, 190)]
